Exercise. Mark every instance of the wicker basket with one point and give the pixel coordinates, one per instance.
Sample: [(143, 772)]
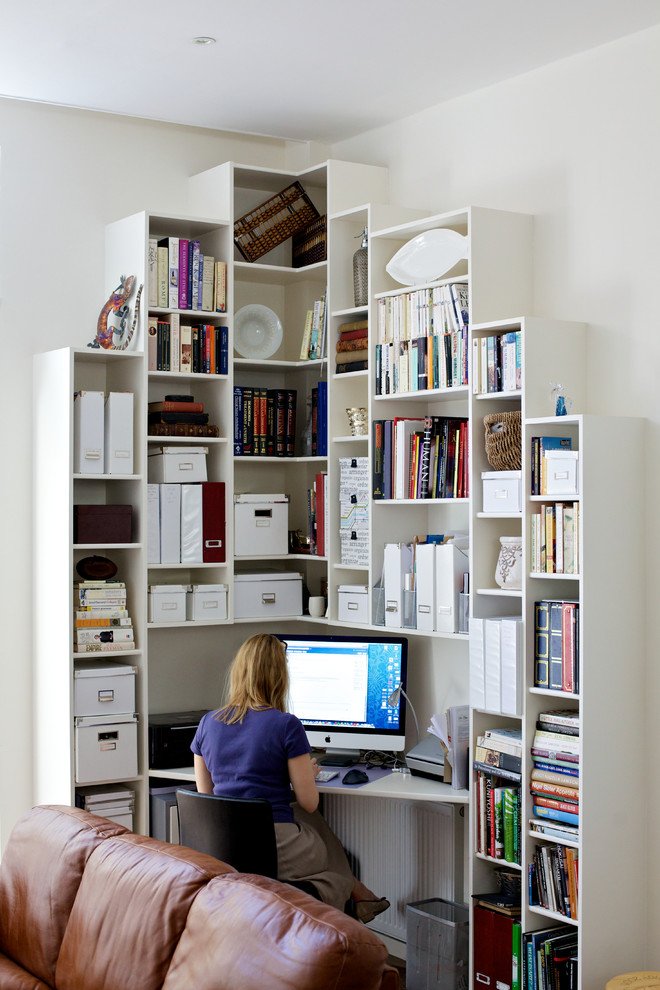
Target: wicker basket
[(310, 245), (503, 441), (280, 217)]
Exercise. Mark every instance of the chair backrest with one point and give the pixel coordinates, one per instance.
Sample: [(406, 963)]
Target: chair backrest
[(238, 831)]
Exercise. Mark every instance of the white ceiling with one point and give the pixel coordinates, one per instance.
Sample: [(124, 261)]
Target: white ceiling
[(300, 69)]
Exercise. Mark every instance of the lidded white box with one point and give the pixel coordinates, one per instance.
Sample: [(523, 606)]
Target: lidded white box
[(502, 491), (167, 602), (168, 465), (105, 747), (206, 603), (118, 433), (103, 690), (353, 601), (561, 472), (88, 433), (261, 525), (267, 595)]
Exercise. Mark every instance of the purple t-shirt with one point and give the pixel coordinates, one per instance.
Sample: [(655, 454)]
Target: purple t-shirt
[(248, 759)]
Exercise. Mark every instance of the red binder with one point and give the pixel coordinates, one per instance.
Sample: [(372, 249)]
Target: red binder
[(213, 522), (493, 953)]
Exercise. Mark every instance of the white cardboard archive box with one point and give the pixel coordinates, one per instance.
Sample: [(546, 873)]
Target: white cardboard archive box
[(108, 690), (353, 602), (502, 491), (207, 603), (561, 472), (167, 602), (275, 595), (118, 433), (105, 747), (261, 525), (88, 433), (168, 465)]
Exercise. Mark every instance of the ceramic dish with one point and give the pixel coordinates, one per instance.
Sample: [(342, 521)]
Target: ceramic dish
[(427, 256), (257, 331)]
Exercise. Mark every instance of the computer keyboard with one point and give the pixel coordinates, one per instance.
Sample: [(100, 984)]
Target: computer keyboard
[(323, 776)]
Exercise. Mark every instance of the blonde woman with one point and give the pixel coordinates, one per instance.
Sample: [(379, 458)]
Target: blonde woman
[(254, 748)]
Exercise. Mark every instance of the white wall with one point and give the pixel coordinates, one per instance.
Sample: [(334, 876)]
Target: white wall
[(64, 174), (577, 144)]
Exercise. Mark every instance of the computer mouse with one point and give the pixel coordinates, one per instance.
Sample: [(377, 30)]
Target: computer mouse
[(355, 776)]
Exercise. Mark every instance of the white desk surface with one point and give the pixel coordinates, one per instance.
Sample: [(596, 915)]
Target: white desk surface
[(395, 785)]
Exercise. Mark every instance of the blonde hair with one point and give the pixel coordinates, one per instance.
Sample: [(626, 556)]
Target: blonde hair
[(258, 678)]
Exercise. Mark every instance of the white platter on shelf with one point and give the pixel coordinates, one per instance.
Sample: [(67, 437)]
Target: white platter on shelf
[(257, 331), (427, 256)]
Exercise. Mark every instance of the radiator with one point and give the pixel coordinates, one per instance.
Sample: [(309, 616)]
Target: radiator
[(404, 850)]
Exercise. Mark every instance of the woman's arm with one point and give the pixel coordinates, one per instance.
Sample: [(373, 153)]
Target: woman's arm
[(202, 776), (302, 774)]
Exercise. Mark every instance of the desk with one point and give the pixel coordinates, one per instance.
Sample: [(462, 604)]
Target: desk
[(407, 841)]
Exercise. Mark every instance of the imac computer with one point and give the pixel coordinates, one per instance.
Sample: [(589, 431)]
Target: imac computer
[(341, 689)]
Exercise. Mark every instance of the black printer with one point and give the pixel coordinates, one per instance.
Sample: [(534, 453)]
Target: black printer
[(170, 736)]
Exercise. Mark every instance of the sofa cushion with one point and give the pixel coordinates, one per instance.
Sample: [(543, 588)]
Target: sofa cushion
[(41, 870), (12, 977), (131, 908), (249, 932)]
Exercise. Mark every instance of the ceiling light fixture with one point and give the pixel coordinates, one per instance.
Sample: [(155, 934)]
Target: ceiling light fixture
[(203, 40)]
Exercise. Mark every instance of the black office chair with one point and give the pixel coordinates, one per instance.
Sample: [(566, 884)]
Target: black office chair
[(238, 831)]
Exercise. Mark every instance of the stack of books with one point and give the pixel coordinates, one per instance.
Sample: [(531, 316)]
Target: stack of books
[(352, 351), (550, 958), (264, 421), (498, 763), (555, 779), (554, 538), (115, 803), (101, 623), (497, 363), (173, 346), (422, 340), (181, 277), (314, 332), (557, 645), (420, 458), (179, 416)]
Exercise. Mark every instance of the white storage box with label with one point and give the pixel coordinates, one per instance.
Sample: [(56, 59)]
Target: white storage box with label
[(207, 603), (167, 602), (88, 433), (118, 435), (261, 525), (168, 465), (502, 491), (107, 690), (353, 603), (106, 747), (267, 595), (561, 472)]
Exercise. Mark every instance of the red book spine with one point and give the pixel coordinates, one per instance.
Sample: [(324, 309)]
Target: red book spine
[(213, 522), (568, 654), (193, 407)]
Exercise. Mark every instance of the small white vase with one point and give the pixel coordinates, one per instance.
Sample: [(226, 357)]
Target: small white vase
[(508, 570)]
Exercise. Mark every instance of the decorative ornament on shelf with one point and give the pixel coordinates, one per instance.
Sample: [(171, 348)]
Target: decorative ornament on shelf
[(562, 403), (508, 570), (357, 420), (361, 271), (258, 332), (96, 568), (112, 330), (428, 256)]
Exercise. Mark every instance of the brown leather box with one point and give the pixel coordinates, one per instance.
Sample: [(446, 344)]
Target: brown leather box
[(102, 524)]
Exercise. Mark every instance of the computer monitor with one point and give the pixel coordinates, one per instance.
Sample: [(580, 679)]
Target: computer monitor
[(340, 688)]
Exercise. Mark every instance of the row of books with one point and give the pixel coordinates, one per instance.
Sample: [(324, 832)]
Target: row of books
[(182, 348), (557, 645), (421, 340), (317, 514), (553, 879), (264, 421), (420, 458), (101, 623), (557, 739), (542, 448), (352, 348), (554, 538), (497, 363), (498, 818), (181, 277), (314, 331), (549, 959)]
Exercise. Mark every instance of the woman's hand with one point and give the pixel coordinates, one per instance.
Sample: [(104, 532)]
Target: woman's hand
[(316, 767)]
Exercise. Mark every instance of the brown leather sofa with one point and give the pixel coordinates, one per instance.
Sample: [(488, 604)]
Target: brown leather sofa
[(87, 905)]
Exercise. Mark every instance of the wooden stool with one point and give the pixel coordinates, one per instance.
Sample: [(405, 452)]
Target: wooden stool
[(644, 980)]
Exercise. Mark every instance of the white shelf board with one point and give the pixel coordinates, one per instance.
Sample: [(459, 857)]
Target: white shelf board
[(186, 624), (352, 311), (182, 567), (252, 271), (428, 393), (554, 839), (427, 285), (281, 556), (515, 323), (166, 441), (500, 592), (364, 436), (101, 355), (492, 859), (351, 374), (499, 515), (97, 654), (194, 313), (351, 567), (554, 498), (551, 693), (512, 394), (257, 459), (574, 420), (555, 577), (107, 546), (187, 375), (536, 909), (412, 227), (270, 364), (420, 501), (107, 477)]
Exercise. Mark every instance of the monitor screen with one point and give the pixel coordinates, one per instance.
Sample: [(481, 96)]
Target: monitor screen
[(340, 688)]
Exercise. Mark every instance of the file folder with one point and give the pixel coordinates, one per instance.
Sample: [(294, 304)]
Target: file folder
[(477, 664), (153, 524), (191, 524), (118, 437), (511, 633), (214, 549), (425, 586), (397, 562), (451, 563), (493, 673), (170, 524)]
